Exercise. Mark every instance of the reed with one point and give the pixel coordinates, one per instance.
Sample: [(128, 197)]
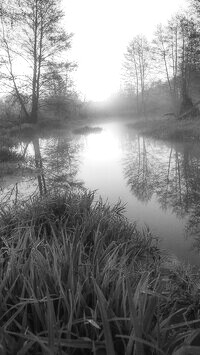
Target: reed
[(77, 278)]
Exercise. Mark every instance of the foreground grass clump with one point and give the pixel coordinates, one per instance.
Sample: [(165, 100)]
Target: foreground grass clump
[(170, 128), (77, 278)]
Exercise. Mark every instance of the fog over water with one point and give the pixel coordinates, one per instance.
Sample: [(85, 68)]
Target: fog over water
[(150, 178), (158, 182)]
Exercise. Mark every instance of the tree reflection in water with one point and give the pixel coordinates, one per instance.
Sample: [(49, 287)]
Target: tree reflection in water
[(60, 163), (39, 166), (170, 174), (140, 170), (153, 170), (49, 164)]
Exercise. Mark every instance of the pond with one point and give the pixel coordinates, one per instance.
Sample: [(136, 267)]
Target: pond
[(158, 182)]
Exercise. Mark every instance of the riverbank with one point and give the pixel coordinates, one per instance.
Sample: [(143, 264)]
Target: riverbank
[(76, 276), (11, 137), (169, 128)]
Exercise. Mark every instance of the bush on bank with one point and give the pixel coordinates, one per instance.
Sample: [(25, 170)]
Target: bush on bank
[(169, 128), (77, 278)]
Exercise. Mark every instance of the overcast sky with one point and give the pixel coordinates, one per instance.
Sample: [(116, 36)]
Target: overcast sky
[(102, 30)]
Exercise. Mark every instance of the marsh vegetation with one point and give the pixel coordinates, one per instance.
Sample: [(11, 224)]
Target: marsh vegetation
[(79, 275)]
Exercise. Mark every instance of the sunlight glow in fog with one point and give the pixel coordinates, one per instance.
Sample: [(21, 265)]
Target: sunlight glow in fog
[(102, 31), (103, 147), (116, 164)]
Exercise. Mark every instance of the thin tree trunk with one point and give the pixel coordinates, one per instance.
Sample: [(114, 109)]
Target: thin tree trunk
[(12, 75), (40, 60), (137, 82), (175, 69), (169, 83), (34, 108)]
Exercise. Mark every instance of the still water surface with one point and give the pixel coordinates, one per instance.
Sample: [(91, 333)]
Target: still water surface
[(159, 182)]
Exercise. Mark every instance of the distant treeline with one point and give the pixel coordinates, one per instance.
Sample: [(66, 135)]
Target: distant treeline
[(159, 76), (166, 71)]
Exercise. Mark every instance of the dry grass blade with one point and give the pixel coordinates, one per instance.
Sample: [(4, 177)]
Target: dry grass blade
[(51, 323), (10, 320), (106, 326), (187, 350), (26, 347), (144, 342), (135, 321)]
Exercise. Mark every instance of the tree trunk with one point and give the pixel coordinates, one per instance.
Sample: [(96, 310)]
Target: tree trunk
[(187, 107), (34, 111), (188, 112), (34, 108)]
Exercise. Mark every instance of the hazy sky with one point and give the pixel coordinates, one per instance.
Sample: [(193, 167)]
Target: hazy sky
[(102, 30)]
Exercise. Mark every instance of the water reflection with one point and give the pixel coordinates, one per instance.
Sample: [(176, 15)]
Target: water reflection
[(60, 163), (169, 173), (158, 182), (140, 170), (39, 167), (50, 164)]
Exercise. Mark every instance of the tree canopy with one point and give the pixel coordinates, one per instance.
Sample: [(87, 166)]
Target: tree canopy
[(33, 52)]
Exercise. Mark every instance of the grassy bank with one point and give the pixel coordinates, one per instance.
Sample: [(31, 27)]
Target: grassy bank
[(46, 128), (77, 278), (169, 128)]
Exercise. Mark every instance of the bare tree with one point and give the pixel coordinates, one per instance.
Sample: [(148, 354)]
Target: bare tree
[(165, 53), (189, 61), (136, 68), (175, 49), (31, 38)]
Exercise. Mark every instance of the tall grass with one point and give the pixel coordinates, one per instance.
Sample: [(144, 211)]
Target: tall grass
[(77, 278)]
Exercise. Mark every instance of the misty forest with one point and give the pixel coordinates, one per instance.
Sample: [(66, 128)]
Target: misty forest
[(99, 199)]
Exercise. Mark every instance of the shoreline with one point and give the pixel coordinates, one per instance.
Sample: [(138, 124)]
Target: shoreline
[(169, 129)]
